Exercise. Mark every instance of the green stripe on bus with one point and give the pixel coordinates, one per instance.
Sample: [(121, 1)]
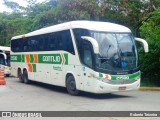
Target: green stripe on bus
[(66, 59), (126, 77), (42, 58), (22, 58), (31, 58), (100, 75), (15, 58), (34, 67)]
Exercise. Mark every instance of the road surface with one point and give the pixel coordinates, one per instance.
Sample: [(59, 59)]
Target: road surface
[(17, 96)]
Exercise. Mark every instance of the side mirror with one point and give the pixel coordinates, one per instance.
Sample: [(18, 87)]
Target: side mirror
[(93, 42), (145, 44)]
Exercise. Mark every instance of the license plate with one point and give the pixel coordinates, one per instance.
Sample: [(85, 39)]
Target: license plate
[(122, 88)]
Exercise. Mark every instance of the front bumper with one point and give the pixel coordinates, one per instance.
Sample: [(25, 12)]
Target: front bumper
[(102, 87)]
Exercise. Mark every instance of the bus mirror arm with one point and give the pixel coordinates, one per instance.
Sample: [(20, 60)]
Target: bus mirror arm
[(145, 44), (93, 42)]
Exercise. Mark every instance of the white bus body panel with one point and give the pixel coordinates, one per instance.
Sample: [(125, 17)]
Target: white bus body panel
[(55, 74)]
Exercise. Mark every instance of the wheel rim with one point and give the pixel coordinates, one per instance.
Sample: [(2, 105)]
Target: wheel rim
[(72, 86)]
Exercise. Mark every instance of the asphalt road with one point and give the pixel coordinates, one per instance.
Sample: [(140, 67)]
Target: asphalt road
[(17, 96)]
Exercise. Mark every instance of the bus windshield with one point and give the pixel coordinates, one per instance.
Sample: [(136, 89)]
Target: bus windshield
[(117, 51), (2, 59)]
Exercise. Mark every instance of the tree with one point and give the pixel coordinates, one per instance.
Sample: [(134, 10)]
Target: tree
[(130, 13), (3, 32), (77, 10), (66, 10), (150, 30)]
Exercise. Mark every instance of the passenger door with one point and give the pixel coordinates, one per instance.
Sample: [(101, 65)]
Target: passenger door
[(87, 58)]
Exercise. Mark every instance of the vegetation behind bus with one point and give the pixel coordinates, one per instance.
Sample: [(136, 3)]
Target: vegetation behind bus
[(142, 17)]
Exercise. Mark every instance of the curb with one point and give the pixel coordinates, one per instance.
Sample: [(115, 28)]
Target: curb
[(149, 88)]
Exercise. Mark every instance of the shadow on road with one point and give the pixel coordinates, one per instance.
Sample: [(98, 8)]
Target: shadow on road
[(49, 87), (81, 94), (103, 96)]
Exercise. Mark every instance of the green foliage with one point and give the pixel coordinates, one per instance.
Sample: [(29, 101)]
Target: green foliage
[(45, 19), (3, 27), (130, 13), (150, 30), (19, 26), (55, 12), (11, 25), (77, 10)]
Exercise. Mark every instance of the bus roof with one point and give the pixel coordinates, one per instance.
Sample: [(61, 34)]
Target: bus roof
[(90, 25), (4, 48)]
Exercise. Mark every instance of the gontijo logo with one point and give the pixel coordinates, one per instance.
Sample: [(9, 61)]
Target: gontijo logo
[(125, 77), (51, 58)]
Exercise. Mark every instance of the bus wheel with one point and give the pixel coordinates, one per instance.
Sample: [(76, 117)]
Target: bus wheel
[(71, 86), (25, 77), (20, 76), (7, 75)]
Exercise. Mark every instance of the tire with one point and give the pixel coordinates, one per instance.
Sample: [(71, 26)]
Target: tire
[(71, 86), (25, 77), (7, 75), (20, 76)]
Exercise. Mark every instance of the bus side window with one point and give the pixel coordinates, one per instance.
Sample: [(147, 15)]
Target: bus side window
[(17, 46), (34, 44), (46, 42), (25, 45), (29, 45), (52, 45), (79, 42), (69, 43), (64, 42), (60, 46), (87, 56), (41, 44)]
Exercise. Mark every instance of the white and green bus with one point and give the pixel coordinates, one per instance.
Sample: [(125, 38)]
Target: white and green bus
[(97, 57), (5, 60)]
